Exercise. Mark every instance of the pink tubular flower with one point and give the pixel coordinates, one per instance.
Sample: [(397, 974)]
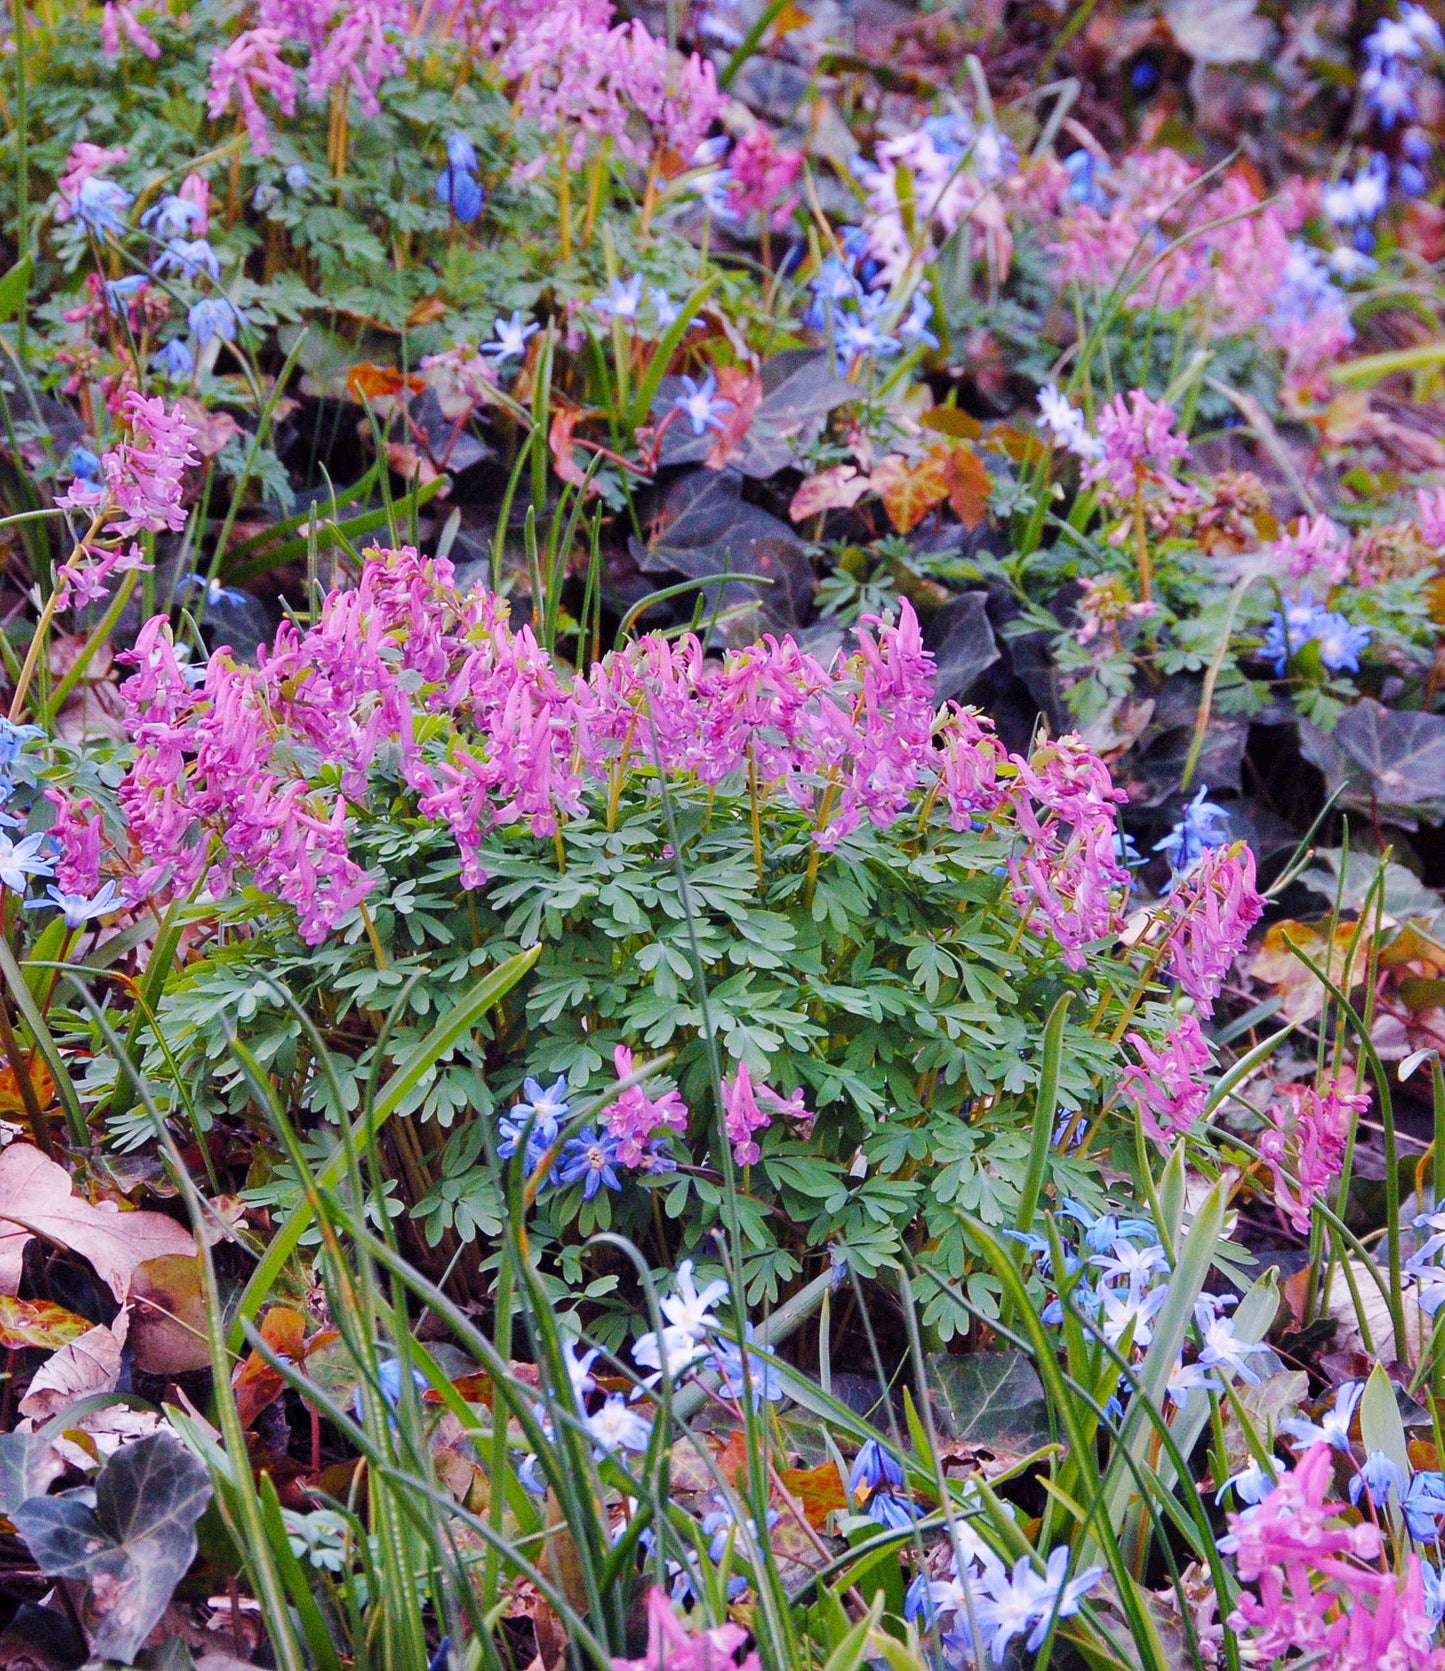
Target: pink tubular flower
[(142, 475), (196, 189), (576, 69), (968, 775), (1317, 1598), (119, 17), (1139, 443), (743, 1115), (1211, 912), (1307, 1138), (672, 1647), (77, 831), (85, 161), (80, 581), (1316, 547), (360, 50), (250, 65), (1431, 515), (634, 1117), (1066, 868), (1169, 1089), (762, 176)]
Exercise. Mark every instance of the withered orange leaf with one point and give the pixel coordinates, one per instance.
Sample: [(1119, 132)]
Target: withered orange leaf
[(819, 1491), (910, 491), (969, 484)]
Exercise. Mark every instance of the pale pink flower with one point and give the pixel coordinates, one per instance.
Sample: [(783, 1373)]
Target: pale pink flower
[(1168, 1088), (1139, 442), (142, 475), (196, 189), (119, 17), (1431, 515), (80, 581), (1211, 911), (252, 64), (634, 1116), (84, 162), (1305, 1144), (672, 1647), (1316, 546), (743, 1113), (361, 49)]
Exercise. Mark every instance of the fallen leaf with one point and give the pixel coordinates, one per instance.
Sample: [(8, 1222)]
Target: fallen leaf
[(88, 1365), (211, 431), (101, 1433), (836, 489), (1301, 995), (732, 1459), (564, 453), (969, 485), (36, 1199), (818, 1491), (949, 420), (168, 1318), (368, 383), (909, 491), (255, 1384), (38, 1323), (744, 392), (11, 1100)]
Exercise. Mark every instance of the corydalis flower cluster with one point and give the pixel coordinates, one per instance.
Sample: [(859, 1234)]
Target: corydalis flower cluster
[(354, 44), (217, 787)]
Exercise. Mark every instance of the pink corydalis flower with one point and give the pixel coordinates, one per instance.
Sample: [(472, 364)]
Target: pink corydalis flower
[(1140, 445), (77, 831), (672, 1647), (1168, 1088), (251, 65), (117, 19), (360, 50), (1317, 547), (1430, 514), (1211, 913), (1305, 1144), (635, 1116), (1065, 870), (743, 1113), (968, 774), (141, 486), (763, 173), (84, 162)]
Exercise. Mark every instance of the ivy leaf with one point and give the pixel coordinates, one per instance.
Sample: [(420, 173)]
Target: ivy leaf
[(132, 1548), (990, 1398)]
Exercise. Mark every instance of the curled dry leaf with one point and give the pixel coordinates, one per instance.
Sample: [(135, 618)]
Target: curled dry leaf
[(36, 1199), (88, 1365), (564, 448), (835, 489)]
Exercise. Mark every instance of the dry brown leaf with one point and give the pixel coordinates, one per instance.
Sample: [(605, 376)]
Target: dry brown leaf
[(817, 1491), (88, 1365), (255, 1383), (745, 392), (168, 1324), (564, 448), (969, 484), (1301, 995), (36, 1200), (909, 491), (836, 489)]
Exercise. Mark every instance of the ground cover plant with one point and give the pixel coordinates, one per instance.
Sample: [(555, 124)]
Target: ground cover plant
[(721, 908)]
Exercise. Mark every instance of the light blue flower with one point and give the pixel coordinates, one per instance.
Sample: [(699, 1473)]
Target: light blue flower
[(76, 908), (175, 359), (83, 463), (190, 258), (621, 300), (1204, 824), (119, 291), (874, 1469), (100, 205), (1333, 1429), (297, 176), (1382, 1477), (509, 336), (20, 860), (172, 217), (1424, 1504), (461, 153), (701, 404), (213, 316)]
